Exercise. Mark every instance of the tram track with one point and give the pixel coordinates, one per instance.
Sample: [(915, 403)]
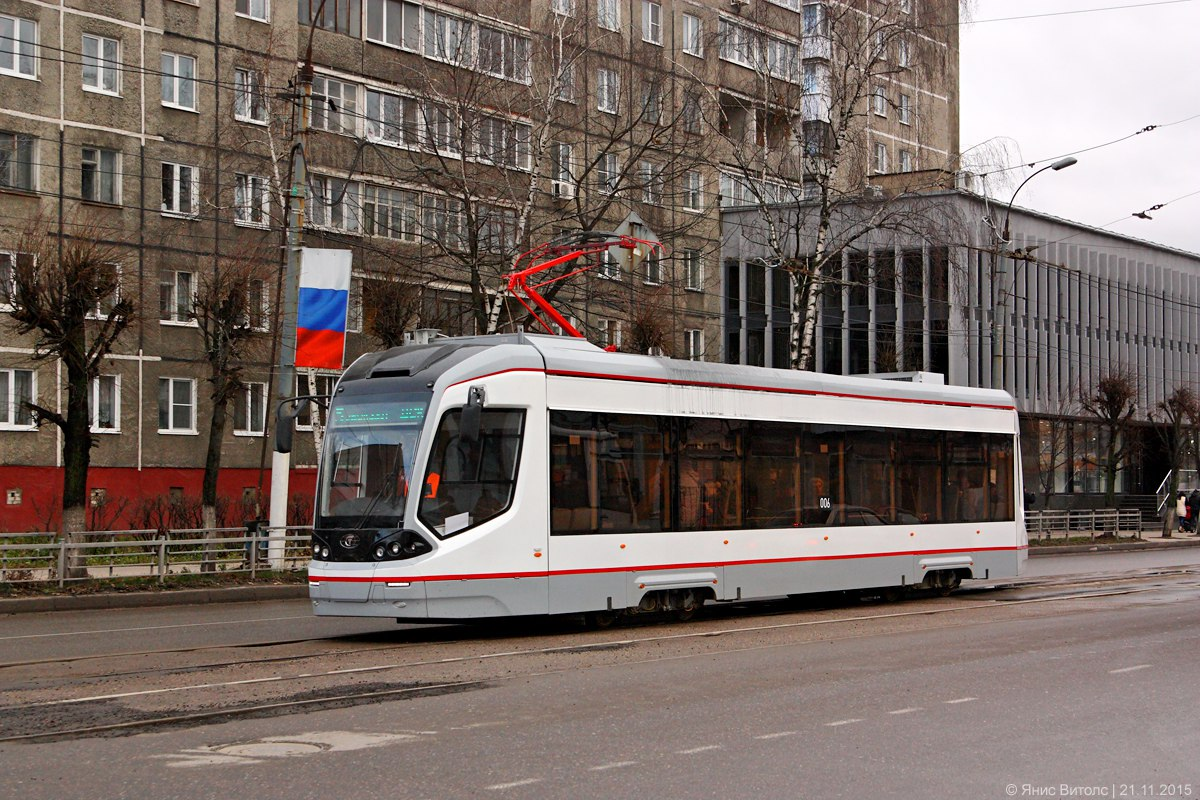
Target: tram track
[(312, 694)]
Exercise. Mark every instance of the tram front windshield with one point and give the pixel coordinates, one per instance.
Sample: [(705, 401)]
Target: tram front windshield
[(368, 460)]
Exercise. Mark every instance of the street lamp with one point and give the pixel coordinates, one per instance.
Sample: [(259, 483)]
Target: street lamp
[(999, 272)]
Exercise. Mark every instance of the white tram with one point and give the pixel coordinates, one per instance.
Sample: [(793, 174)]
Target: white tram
[(512, 475)]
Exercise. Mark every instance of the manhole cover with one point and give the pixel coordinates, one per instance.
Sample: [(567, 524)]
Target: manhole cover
[(270, 749)]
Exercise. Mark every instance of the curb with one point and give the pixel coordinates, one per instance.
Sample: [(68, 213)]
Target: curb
[(1155, 544), (171, 597)]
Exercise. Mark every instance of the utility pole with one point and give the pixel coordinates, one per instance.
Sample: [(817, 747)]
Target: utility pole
[(281, 463)]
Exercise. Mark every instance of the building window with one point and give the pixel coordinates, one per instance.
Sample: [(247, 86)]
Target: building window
[(321, 387), (565, 90), (99, 169), (610, 332), (334, 203), (17, 161), (444, 220), (651, 22), (738, 44), (608, 14), (101, 64), (693, 193), (447, 38), (251, 201), (256, 314), (179, 81), (395, 23), (693, 270), (497, 228), (608, 173), (504, 142), (503, 54), (250, 410), (8, 282), (391, 118), (105, 410), (651, 102), (690, 114), (881, 158), (339, 16), (18, 51), (104, 305), (608, 90), (180, 189), (608, 266), (879, 101), (653, 268), (176, 405), (249, 103), (814, 19), (693, 344), (904, 113), (903, 57), (176, 296), (391, 213), (564, 8), (562, 170), (693, 36), (17, 390), (354, 308), (651, 182), (254, 9), (442, 130), (906, 161), (334, 105)]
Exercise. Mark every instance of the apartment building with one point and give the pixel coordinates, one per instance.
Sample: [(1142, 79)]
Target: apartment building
[(444, 139)]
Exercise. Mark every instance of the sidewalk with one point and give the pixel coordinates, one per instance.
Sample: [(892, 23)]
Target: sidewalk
[(1149, 540)]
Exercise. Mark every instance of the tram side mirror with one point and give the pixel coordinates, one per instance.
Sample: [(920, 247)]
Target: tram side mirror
[(472, 415), (285, 422)]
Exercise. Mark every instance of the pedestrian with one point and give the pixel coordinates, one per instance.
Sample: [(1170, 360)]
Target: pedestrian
[(1181, 512), (1193, 505)]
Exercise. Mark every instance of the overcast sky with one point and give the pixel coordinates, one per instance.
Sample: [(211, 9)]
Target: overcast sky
[(1050, 86)]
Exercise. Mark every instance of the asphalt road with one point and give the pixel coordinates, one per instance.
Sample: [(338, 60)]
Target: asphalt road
[(1047, 689)]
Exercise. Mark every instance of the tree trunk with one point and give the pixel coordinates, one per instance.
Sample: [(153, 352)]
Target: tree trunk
[(212, 468), (77, 453)]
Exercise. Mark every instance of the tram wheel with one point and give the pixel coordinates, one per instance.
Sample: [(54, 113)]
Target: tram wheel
[(601, 619), (949, 583), (892, 594)]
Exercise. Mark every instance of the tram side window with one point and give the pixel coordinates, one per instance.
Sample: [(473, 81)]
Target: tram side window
[(919, 482), (823, 481), (609, 472), (1000, 477), (869, 474), (710, 474), (966, 496), (773, 475), (471, 482)]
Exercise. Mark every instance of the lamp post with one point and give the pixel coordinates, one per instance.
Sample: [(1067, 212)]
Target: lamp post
[(999, 273)]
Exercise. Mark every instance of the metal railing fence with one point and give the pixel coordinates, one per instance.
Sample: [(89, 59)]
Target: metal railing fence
[(1091, 523), (47, 557)]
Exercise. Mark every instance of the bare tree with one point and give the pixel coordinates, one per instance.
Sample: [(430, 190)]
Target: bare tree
[(67, 291), (798, 146), (1113, 402), (231, 310), (1175, 416)]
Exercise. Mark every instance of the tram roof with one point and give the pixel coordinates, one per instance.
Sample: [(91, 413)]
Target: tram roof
[(572, 356)]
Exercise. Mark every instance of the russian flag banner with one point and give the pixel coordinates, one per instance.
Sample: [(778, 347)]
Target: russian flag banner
[(323, 304)]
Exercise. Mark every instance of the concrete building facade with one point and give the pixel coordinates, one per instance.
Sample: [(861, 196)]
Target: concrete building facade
[(444, 139)]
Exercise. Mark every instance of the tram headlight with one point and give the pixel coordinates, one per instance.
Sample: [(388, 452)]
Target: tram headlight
[(401, 544), (380, 552), (394, 548), (324, 552)]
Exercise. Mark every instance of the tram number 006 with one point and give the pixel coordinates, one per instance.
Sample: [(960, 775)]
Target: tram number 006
[(825, 503)]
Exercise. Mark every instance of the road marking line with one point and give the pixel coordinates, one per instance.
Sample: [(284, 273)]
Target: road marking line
[(614, 765), (779, 735), (502, 786), (905, 710), (961, 700), (1129, 669), (841, 722), (695, 750)]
